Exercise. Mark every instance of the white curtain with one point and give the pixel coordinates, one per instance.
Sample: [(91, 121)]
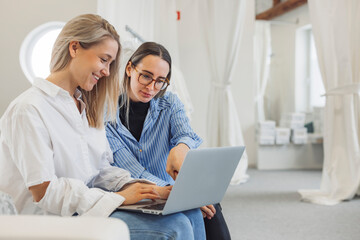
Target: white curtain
[(336, 27), (223, 24), (166, 33), (153, 20), (262, 57), (138, 14)]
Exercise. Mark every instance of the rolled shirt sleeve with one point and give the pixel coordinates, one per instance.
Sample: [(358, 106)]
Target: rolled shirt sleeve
[(113, 179), (65, 196)]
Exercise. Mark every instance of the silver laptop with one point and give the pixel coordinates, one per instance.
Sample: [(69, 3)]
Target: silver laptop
[(203, 179)]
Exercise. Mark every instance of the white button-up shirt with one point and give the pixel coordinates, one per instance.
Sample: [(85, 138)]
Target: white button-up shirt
[(44, 137)]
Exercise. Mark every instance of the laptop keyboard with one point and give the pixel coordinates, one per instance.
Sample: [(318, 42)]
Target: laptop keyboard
[(159, 206)]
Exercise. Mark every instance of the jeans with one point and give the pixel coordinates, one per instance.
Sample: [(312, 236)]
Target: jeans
[(185, 225)]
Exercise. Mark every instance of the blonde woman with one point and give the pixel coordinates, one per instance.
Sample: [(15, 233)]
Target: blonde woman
[(54, 156)]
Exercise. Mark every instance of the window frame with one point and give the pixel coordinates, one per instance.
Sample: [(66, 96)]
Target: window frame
[(304, 70), (27, 46)]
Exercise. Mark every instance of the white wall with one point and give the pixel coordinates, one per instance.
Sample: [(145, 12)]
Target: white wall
[(18, 18), (280, 93)]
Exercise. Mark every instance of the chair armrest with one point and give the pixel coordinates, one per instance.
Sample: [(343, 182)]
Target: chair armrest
[(55, 227)]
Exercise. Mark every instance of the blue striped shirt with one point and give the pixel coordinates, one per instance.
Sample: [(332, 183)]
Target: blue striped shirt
[(166, 125)]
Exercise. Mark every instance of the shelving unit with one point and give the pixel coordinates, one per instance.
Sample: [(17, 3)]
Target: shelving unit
[(290, 156)]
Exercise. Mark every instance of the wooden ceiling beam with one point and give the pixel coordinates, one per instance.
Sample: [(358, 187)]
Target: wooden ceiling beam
[(280, 8), (276, 2)]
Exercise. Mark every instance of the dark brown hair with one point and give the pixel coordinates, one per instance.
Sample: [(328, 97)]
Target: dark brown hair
[(145, 49)]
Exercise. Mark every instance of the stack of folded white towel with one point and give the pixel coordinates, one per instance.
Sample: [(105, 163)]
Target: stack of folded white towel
[(266, 133)]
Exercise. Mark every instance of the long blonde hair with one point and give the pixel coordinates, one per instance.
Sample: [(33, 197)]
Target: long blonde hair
[(89, 30)]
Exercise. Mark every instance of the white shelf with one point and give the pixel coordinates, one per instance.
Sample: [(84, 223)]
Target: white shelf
[(290, 156)]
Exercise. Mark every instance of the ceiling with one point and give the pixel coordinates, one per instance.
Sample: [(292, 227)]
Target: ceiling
[(269, 9)]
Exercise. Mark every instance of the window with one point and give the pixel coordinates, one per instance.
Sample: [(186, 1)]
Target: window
[(35, 52), (316, 84), (309, 86)]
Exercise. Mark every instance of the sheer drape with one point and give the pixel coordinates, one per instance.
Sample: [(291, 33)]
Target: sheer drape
[(336, 27), (138, 14), (153, 20), (262, 57), (223, 29)]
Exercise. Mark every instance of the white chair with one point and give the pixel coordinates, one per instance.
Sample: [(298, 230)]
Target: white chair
[(32, 227)]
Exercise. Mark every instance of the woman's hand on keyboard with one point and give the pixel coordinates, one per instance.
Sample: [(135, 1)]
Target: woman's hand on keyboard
[(135, 192), (163, 191)]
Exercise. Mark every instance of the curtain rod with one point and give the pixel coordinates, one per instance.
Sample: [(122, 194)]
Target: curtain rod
[(135, 34)]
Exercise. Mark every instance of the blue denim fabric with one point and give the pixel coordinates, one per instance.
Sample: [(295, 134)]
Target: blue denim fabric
[(187, 225)]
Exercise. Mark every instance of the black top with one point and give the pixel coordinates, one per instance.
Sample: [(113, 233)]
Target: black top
[(137, 115)]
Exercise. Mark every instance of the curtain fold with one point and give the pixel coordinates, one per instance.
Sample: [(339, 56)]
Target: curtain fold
[(262, 57), (336, 27), (223, 26)]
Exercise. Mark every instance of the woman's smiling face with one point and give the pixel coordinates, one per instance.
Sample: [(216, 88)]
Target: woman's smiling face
[(88, 66)]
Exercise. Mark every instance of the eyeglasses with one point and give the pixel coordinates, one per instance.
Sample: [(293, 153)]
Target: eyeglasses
[(146, 80)]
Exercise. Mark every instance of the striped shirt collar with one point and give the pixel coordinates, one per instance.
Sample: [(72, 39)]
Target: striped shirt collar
[(156, 105)]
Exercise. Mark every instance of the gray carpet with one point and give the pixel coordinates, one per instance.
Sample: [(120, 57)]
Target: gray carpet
[(269, 207)]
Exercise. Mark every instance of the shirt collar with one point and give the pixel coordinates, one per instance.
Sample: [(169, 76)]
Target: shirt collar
[(159, 104), (78, 96), (48, 87), (53, 90), (156, 105)]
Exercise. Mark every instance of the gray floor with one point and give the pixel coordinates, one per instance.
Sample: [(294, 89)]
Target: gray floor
[(269, 207)]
